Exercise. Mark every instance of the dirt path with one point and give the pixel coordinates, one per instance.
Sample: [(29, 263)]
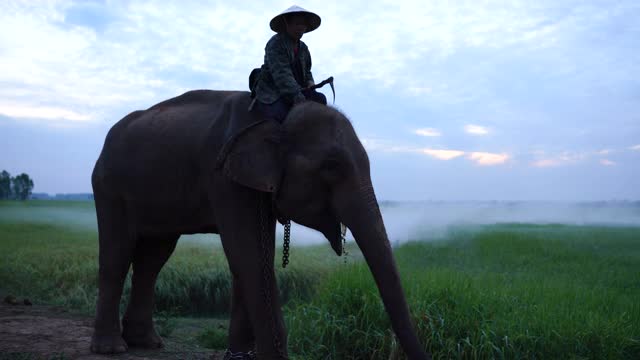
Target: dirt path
[(44, 332)]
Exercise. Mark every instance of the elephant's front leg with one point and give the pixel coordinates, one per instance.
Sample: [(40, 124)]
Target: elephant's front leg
[(241, 337), (247, 231)]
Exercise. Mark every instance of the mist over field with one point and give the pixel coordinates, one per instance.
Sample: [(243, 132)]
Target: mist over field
[(404, 221), (73, 214), (486, 271)]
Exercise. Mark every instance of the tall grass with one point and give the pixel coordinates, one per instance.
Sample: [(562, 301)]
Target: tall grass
[(48, 264), (56, 262), (501, 291), (535, 292)]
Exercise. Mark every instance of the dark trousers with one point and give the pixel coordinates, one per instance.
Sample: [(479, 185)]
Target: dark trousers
[(278, 110)]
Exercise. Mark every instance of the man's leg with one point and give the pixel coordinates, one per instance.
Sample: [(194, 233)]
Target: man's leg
[(277, 111)]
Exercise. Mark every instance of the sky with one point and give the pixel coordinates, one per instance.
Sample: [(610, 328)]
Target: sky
[(453, 100)]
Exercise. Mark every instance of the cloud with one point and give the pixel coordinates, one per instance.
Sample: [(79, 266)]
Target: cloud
[(432, 34), (476, 130), (41, 112), (442, 154), (565, 158), (544, 74), (389, 147), (429, 132), (94, 54), (479, 157), (607, 162), (546, 163), (419, 90), (488, 159), (54, 60), (385, 146)]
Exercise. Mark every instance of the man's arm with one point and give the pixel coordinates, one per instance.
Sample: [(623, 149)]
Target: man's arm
[(278, 60), (308, 75)]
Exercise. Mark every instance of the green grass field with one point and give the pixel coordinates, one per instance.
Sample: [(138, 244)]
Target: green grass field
[(499, 291)]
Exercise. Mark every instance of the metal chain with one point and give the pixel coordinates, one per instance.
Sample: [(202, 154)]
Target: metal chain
[(345, 253), (264, 218), (343, 236), (228, 355), (285, 246)]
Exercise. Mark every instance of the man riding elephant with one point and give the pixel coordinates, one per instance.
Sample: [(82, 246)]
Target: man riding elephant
[(285, 77), (202, 163)]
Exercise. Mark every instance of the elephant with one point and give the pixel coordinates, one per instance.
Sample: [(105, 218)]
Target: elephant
[(202, 163)]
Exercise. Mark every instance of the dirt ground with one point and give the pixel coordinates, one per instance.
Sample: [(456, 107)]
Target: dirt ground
[(45, 332)]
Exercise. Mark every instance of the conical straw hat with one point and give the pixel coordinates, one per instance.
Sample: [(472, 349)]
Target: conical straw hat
[(278, 24)]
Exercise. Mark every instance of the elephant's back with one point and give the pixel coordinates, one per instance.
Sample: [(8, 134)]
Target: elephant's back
[(165, 140), (182, 114), (179, 121), (195, 97)]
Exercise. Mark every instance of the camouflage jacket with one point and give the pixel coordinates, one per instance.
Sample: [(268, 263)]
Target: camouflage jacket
[(276, 78)]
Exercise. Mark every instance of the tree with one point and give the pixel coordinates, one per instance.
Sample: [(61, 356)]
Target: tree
[(22, 186), (5, 185)]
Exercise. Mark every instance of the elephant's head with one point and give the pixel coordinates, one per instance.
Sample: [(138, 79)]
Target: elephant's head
[(321, 174)]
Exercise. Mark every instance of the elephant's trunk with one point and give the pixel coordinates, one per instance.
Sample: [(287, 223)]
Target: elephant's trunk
[(364, 219)]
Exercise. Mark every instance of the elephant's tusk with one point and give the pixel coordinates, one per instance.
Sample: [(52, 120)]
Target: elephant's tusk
[(343, 229)]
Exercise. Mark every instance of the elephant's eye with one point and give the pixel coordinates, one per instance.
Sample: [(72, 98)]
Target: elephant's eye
[(332, 164), (333, 170)]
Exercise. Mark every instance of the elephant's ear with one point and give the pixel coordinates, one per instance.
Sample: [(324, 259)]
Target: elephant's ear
[(253, 159)]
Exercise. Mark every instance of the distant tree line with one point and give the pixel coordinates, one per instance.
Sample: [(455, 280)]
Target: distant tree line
[(15, 188)]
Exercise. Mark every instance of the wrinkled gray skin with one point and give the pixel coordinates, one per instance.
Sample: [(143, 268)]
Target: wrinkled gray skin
[(161, 174)]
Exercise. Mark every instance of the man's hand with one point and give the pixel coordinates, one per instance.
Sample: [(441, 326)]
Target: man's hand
[(310, 84), (298, 99)]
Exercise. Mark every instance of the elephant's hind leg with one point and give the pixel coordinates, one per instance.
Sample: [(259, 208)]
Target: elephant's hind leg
[(116, 249), (150, 255)]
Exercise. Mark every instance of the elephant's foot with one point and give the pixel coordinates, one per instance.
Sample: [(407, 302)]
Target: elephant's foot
[(141, 336), (108, 344)]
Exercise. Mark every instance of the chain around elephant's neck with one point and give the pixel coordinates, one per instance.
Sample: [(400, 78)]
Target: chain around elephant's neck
[(285, 245), (287, 230), (228, 355)]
